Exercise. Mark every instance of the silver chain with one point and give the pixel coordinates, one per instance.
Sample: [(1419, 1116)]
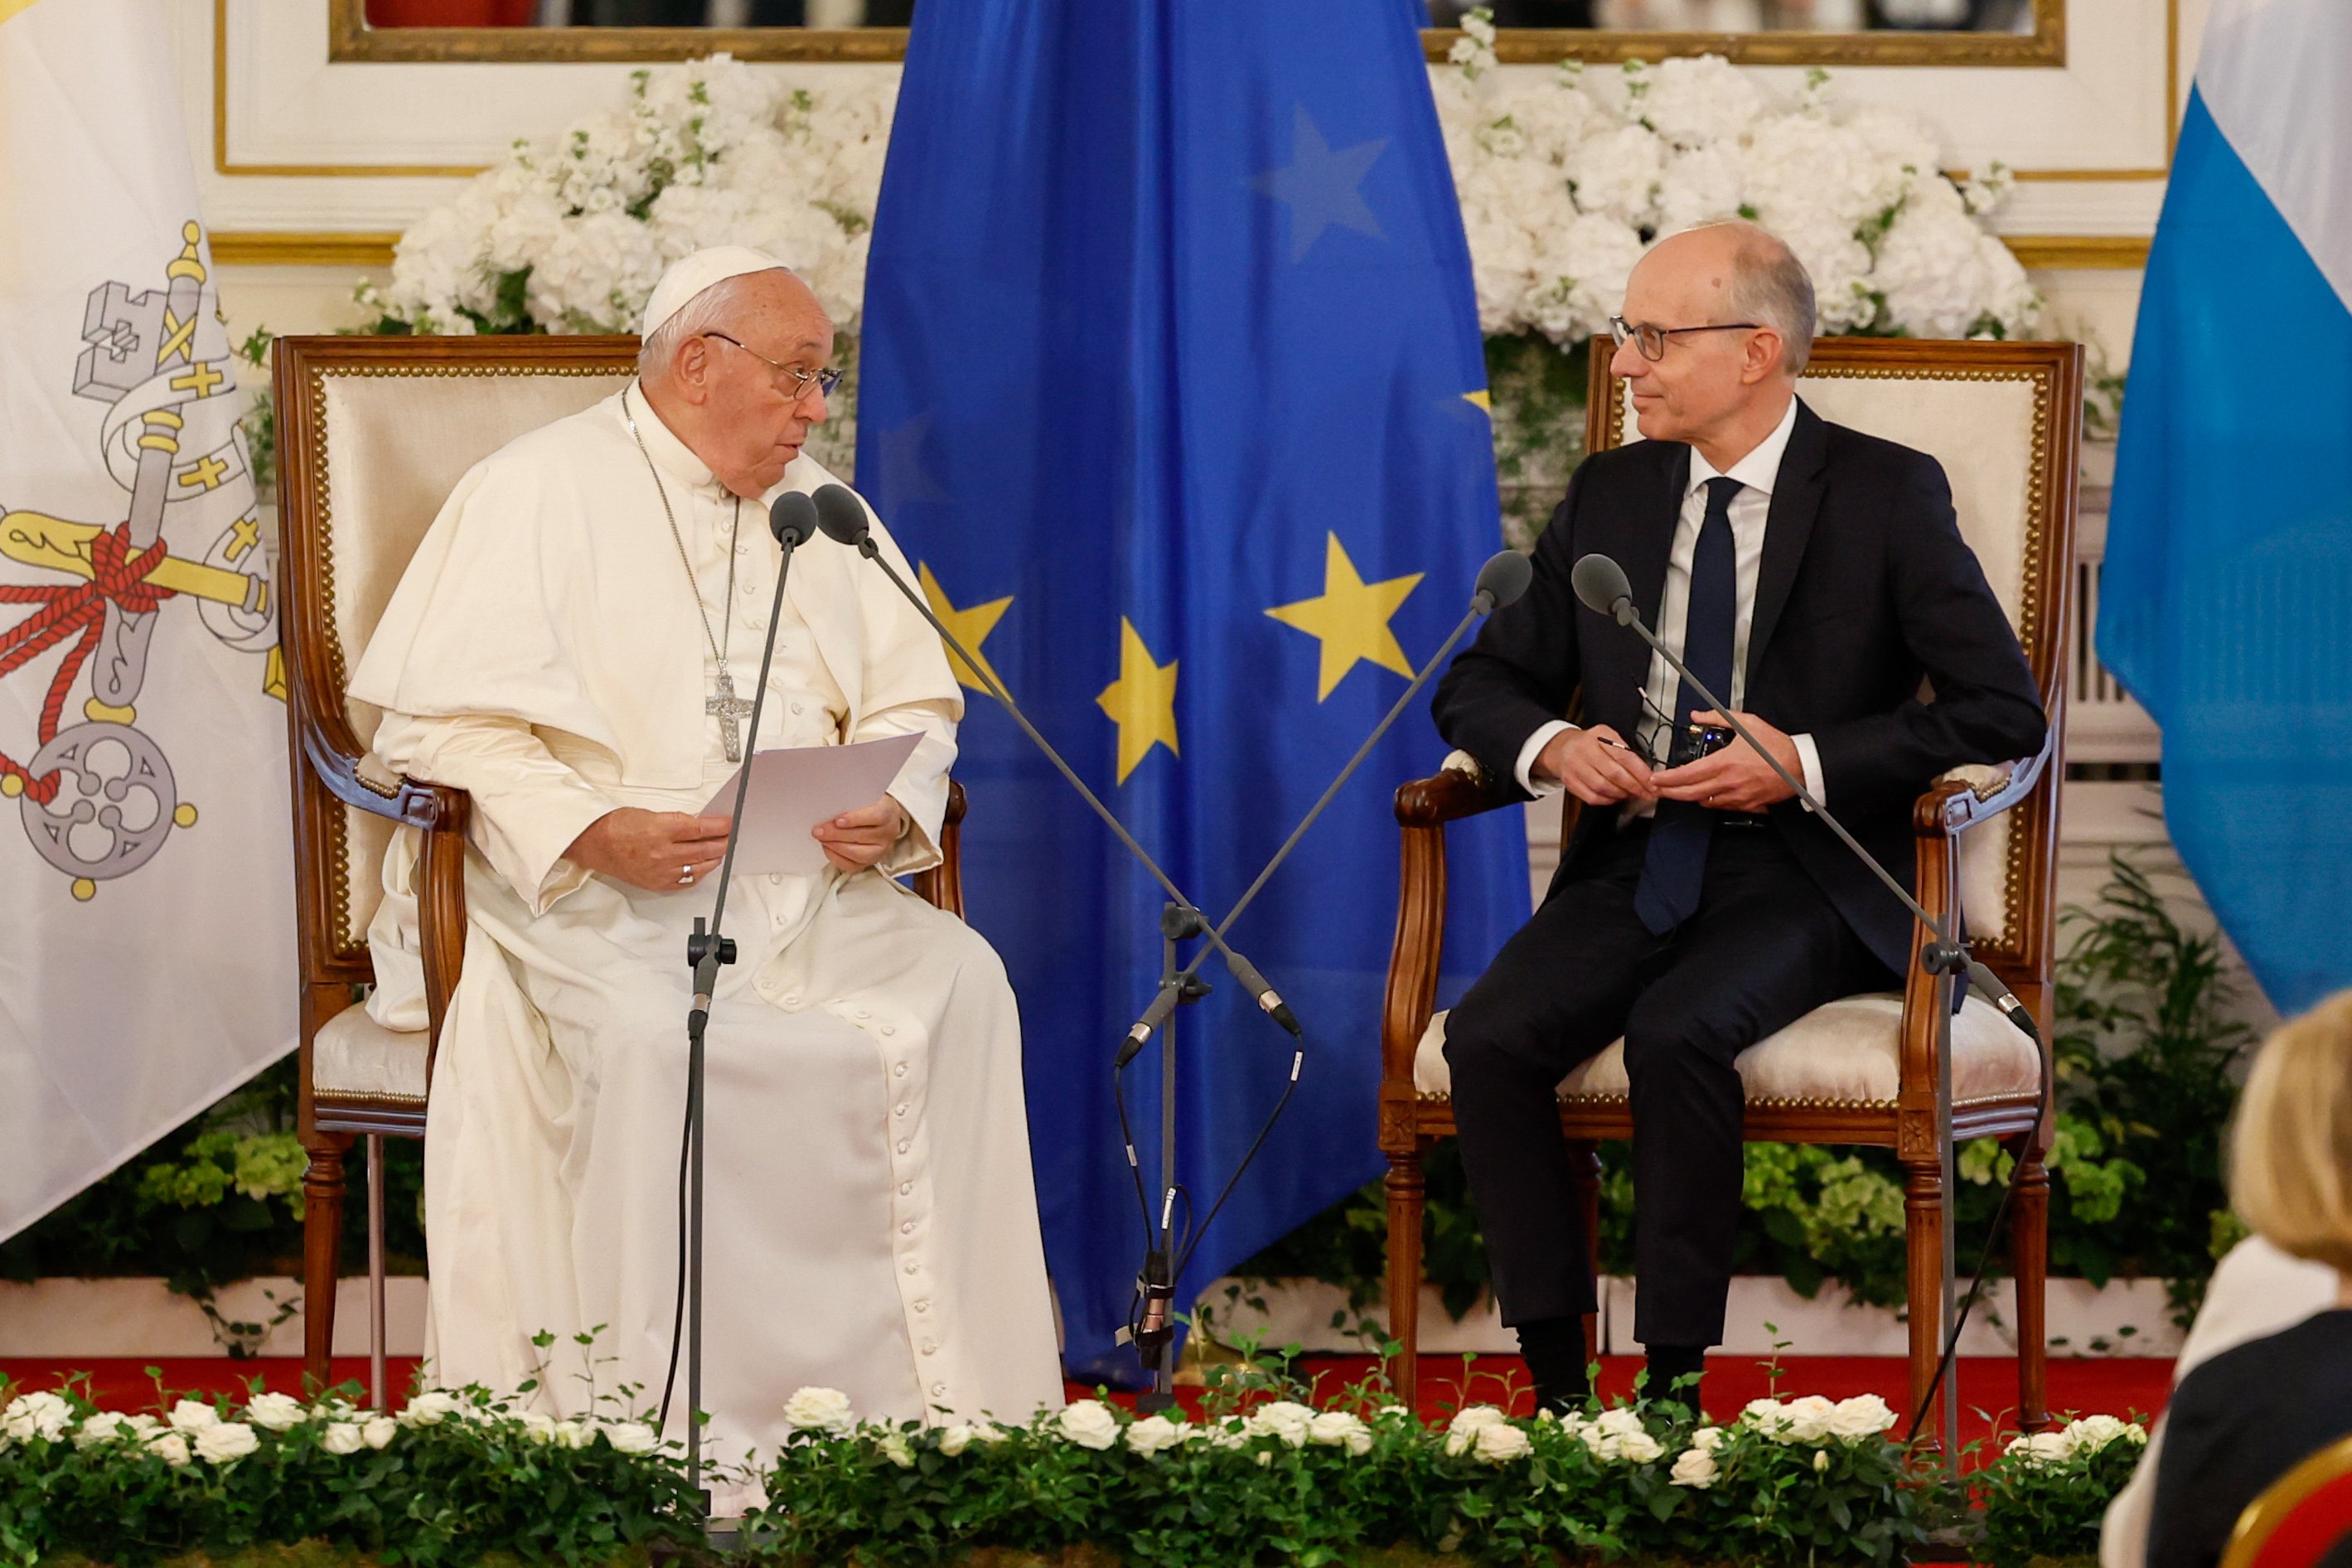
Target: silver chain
[(734, 540)]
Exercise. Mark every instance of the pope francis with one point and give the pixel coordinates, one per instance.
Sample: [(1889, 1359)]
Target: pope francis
[(575, 644)]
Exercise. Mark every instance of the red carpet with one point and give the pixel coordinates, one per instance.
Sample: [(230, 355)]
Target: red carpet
[(1988, 1384)]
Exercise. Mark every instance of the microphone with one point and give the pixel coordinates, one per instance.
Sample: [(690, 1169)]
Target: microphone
[(2018, 1015), (1601, 584), (841, 516), (793, 518), (1501, 580)]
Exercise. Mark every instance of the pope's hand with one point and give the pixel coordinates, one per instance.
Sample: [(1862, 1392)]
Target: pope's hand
[(856, 839), (659, 851)]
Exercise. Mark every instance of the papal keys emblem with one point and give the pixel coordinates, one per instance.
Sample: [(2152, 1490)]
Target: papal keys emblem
[(96, 795)]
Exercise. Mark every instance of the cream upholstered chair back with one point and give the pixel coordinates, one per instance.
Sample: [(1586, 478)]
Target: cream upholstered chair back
[(2001, 419), (380, 432)]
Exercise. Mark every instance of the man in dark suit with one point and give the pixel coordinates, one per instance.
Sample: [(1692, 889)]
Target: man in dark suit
[(1810, 576)]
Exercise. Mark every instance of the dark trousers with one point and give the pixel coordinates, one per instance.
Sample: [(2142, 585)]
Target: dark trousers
[(1764, 949)]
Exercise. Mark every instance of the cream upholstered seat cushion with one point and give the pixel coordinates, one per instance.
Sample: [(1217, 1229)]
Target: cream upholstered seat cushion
[(355, 1056), (1843, 1053)]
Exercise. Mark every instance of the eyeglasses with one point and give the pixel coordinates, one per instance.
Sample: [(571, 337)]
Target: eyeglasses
[(1653, 339), (825, 380)]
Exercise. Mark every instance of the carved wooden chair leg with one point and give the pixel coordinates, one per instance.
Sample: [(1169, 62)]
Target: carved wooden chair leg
[(1923, 1244), (1584, 1161), (322, 1236), (2030, 1248), (1407, 1187)]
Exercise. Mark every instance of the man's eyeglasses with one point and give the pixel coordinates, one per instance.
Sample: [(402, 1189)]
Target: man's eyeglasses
[(825, 380), (1653, 339)]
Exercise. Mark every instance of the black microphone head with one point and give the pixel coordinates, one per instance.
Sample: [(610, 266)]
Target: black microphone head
[(1504, 578), (792, 518), (841, 515), (1599, 584)]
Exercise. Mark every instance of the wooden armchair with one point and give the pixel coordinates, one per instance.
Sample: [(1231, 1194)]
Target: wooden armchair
[(374, 431), (2004, 420)]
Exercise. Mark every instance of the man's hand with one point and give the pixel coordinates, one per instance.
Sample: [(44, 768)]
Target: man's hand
[(855, 840), (659, 851), (1596, 766), (1735, 778)]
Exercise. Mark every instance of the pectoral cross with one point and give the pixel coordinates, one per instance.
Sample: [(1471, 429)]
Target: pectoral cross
[(728, 708)]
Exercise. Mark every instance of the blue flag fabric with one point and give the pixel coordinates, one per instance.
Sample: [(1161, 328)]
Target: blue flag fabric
[(2226, 598), (1171, 384)]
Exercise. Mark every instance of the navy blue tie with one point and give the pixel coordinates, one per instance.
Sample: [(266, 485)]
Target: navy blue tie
[(1675, 867)]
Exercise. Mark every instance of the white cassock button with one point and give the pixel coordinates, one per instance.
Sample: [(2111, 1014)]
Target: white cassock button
[(792, 999), (775, 880), (899, 1111), (908, 1228), (930, 1348), (905, 1187), (900, 1071), (902, 1145), (924, 1305), (796, 707), (912, 1266), (939, 1391), (862, 1013)]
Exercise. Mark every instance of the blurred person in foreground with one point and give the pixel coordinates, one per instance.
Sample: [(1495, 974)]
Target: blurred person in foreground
[(2245, 1416)]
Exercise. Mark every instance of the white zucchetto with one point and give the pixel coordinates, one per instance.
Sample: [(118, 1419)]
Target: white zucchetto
[(690, 275)]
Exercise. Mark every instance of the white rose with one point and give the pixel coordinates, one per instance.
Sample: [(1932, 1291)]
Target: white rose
[(1338, 1429), (1864, 1415), (341, 1438), (1821, 1460), (190, 1416), (1694, 1468), (821, 1410), (1153, 1434), (1764, 1415), (632, 1436), (1472, 1418), (1283, 1419), (1393, 1413), (379, 1431), (168, 1446), (1619, 1422), (572, 1435), (1708, 1440), (430, 1409), (1500, 1445), (1089, 1423), (955, 1439), (2042, 1449), (2093, 1433), (1807, 1419), (895, 1449), (331, 1410), (1639, 1448), (104, 1427), (275, 1412), (226, 1442), (143, 1427), (29, 1415), (538, 1426)]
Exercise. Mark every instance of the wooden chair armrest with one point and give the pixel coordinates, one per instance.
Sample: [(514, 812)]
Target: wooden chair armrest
[(1423, 807), (360, 779), (1966, 796), (1447, 796)]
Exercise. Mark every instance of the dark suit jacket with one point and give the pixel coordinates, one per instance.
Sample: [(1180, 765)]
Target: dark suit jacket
[(1865, 586)]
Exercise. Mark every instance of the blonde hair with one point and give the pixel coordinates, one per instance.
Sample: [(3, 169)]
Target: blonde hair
[(2291, 1166)]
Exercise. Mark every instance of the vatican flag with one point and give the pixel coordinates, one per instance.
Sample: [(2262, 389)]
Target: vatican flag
[(146, 944)]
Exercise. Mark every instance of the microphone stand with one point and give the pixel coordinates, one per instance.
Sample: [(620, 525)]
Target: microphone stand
[(1942, 957), (1154, 1335), (706, 951)]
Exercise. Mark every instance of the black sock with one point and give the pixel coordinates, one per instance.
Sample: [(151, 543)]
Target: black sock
[(1669, 1365), (1554, 1348)]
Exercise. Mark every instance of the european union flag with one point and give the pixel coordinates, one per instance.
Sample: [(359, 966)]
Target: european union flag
[(1172, 385)]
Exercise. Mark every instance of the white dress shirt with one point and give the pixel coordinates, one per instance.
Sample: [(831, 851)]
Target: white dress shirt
[(1756, 473)]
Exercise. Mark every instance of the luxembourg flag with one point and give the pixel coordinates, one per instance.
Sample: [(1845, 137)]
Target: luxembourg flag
[(2226, 606)]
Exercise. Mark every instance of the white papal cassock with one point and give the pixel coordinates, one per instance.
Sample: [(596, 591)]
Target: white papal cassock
[(871, 1221)]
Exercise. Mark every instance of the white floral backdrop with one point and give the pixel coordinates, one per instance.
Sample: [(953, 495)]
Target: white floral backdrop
[(1565, 178)]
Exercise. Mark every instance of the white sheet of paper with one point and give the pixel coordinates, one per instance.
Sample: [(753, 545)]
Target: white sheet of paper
[(793, 788)]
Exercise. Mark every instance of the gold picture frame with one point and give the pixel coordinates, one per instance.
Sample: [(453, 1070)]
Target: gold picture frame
[(349, 37)]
